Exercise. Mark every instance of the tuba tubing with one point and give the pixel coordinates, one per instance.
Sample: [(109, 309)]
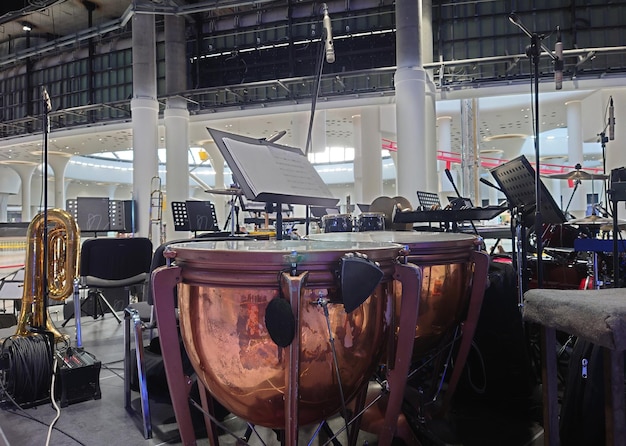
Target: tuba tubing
[(61, 269)]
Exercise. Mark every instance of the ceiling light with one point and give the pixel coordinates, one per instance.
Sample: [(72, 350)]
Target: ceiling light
[(27, 27)]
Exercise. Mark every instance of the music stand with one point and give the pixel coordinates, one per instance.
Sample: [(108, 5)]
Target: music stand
[(516, 178), (272, 173), (194, 216), (518, 182), (181, 218), (201, 216), (428, 200)]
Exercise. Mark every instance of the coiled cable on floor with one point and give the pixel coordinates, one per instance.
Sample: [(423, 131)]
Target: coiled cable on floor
[(29, 369)]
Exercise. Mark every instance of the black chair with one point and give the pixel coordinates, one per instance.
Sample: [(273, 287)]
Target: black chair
[(108, 263), (140, 316)]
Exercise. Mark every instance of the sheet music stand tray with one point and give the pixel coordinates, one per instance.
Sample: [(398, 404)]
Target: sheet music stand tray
[(272, 173), (181, 217), (194, 216), (428, 199), (516, 178)]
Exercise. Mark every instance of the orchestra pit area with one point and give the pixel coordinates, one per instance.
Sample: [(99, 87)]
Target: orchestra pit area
[(461, 370)]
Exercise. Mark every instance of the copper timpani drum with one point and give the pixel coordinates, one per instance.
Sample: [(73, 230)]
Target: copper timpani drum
[(446, 276), (371, 221), (337, 223), (229, 292)]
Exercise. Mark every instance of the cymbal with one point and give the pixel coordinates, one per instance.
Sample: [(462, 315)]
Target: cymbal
[(388, 206), (577, 174), (621, 225), (591, 220)]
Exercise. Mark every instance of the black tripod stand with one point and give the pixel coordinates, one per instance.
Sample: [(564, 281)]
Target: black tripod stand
[(99, 303)]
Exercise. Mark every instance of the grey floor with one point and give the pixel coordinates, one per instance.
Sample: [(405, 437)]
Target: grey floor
[(104, 421)]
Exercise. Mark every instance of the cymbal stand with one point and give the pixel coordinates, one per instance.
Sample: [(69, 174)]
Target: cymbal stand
[(519, 257), (233, 216), (577, 183)]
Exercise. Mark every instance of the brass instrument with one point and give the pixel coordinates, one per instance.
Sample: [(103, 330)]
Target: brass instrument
[(62, 268)]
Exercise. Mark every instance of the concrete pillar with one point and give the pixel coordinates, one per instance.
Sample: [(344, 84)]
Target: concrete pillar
[(444, 126), (59, 165), (578, 202), (176, 119), (145, 112), (4, 200), (177, 165), (358, 159), (410, 85), (25, 171), (371, 153)]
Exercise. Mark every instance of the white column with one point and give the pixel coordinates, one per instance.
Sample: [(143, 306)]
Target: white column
[(358, 159), (176, 119), (177, 165), (372, 166), (4, 200), (445, 144), (59, 165), (410, 85), (25, 171), (578, 204), (145, 112), (145, 161)]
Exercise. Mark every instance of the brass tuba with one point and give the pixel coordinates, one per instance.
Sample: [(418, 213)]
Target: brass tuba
[(62, 268)]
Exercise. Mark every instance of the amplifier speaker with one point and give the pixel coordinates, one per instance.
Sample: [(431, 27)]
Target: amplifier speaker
[(78, 377)]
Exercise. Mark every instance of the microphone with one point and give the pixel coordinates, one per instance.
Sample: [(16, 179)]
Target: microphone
[(328, 43), (449, 175), (46, 98), (490, 184), (558, 62), (514, 18), (611, 120)]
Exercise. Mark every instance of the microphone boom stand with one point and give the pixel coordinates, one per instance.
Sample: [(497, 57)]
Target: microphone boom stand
[(315, 94), (534, 52)]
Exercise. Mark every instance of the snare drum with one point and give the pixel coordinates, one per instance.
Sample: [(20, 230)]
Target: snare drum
[(337, 223), (371, 221), (225, 292)]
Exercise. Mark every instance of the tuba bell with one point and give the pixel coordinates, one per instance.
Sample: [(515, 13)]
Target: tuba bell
[(60, 271)]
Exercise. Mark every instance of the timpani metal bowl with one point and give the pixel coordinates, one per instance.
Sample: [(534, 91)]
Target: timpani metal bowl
[(454, 277), (447, 274), (226, 292)]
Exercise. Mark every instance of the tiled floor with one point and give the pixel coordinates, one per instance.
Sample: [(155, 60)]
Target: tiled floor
[(105, 422)]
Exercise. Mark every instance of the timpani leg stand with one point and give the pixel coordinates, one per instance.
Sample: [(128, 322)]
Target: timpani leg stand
[(164, 280), (480, 261), (411, 278), (598, 316)]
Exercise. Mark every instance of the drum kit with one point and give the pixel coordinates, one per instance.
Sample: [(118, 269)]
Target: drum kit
[(290, 333), (566, 267)]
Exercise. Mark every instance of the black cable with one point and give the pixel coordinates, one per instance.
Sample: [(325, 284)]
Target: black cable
[(28, 416), (30, 366)]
